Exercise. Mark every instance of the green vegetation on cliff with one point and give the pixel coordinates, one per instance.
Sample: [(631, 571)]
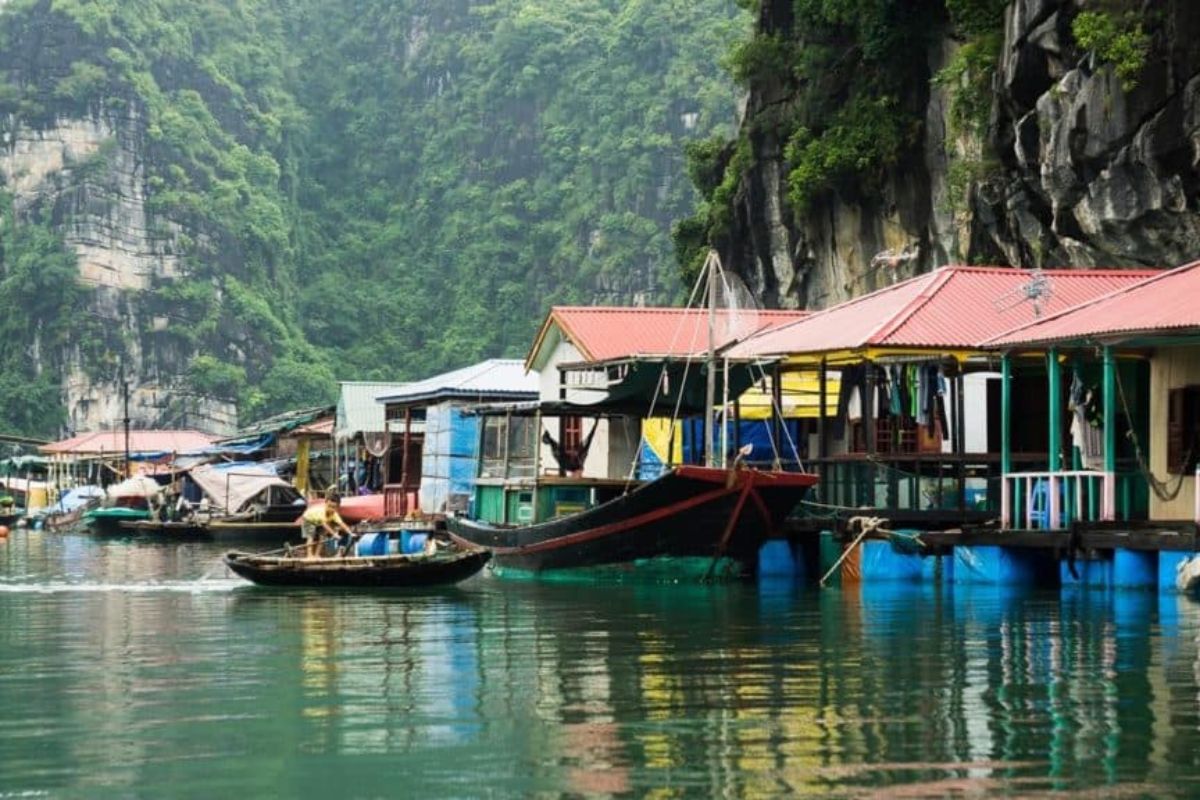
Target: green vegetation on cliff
[(836, 83), (374, 189)]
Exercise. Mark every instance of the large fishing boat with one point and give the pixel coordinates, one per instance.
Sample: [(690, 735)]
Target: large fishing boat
[(690, 511)]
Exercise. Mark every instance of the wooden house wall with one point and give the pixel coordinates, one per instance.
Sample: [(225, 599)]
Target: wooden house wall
[(1170, 368)]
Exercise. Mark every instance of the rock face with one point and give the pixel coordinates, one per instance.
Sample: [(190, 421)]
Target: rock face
[(88, 173), (86, 176), (1077, 170)]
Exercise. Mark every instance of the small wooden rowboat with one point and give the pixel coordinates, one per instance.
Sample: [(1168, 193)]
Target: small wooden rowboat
[(392, 571)]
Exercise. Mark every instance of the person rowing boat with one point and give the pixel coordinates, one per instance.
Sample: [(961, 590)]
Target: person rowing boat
[(322, 522)]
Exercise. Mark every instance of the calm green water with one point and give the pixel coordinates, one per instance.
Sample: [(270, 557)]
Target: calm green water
[(125, 670)]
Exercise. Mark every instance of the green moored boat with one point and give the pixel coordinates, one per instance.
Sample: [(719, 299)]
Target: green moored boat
[(108, 520)]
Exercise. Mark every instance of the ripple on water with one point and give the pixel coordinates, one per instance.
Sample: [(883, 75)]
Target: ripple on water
[(123, 669)]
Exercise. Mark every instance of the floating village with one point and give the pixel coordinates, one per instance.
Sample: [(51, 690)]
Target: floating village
[(971, 425)]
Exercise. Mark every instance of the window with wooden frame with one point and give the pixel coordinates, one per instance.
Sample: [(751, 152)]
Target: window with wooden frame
[(1183, 429), (572, 434)]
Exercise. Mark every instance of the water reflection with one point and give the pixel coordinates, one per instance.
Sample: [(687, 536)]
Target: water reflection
[(128, 671)]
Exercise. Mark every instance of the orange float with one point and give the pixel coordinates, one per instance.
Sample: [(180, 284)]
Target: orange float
[(3, 531)]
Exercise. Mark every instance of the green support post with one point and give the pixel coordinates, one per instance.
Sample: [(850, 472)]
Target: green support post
[(1110, 410), (1054, 373), (1054, 454)]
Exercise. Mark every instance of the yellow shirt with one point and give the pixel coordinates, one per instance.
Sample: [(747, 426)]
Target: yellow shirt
[(322, 514)]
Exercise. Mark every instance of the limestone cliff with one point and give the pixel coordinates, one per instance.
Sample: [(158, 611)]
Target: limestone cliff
[(1071, 164), (85, 176), (237, 202)]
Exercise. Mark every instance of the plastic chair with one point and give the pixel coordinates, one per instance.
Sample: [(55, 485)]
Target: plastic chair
[(1039, 504)]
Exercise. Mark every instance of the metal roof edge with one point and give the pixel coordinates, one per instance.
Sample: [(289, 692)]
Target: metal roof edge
[(995, 341)]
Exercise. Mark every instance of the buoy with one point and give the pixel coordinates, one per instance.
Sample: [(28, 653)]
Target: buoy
[(3, 531)]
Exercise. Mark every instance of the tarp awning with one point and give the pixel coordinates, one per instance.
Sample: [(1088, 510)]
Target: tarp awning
[(230, 486), (137, 486)]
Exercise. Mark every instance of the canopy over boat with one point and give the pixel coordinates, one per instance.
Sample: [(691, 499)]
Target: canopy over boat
[(137, 486), (232, 486), (76, 498)]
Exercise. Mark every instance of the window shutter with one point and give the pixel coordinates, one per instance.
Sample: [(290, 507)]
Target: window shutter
[(1183, 429)]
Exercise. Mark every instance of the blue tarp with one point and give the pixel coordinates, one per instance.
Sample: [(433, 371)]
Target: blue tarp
[(753, 432), (241, 448), (76, 498)]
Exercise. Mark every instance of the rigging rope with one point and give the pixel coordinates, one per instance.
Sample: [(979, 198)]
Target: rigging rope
[(1160, 488), (662, 375)]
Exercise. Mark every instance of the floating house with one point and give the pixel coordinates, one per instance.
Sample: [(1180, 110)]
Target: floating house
[(96, 458), (1118, 378), (609, 380), (581, 353), (366, 454), (911, 429), (436, 441)]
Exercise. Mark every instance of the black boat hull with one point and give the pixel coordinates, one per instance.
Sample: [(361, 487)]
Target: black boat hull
[(691, 511), (378, 572)]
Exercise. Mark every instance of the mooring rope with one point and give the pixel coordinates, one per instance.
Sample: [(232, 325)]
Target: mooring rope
[(869, 525)]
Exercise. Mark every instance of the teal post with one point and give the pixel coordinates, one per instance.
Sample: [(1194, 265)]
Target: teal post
[(1054, 454), (1054, 372), (1110, 432), (1110, 410)]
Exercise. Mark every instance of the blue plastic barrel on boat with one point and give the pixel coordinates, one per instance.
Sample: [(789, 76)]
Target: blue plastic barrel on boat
[(372, 544), (412, 542)]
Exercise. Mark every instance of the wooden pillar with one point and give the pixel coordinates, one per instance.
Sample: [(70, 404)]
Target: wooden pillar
[(737, 425), (958, 439), (777, 414), (868, 409), (1006, 514), (404, 459), (822, 400), (867, 488)]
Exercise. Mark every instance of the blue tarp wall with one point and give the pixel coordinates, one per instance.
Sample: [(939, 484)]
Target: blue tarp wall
[(753, 432), (449, 458)]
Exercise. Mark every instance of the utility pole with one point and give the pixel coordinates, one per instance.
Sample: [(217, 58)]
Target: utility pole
[(125, 394)]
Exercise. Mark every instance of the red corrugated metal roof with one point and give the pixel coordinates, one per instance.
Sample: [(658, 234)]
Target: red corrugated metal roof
[(601, 333), (1168, 302), (168, 441), (951, 308)]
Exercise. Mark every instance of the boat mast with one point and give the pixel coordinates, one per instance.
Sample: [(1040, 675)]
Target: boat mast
[(710, 391)]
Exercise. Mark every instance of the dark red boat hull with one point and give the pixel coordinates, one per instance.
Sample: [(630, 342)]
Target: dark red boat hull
[(691, 511)]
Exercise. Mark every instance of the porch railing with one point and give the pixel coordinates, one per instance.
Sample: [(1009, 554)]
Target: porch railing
[(1053, 500)]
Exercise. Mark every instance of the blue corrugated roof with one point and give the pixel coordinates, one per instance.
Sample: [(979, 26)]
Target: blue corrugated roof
[(496, 378)]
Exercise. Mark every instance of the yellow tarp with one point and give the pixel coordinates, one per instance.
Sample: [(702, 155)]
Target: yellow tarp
[(840, 357), (656, 435), (801, 397)]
